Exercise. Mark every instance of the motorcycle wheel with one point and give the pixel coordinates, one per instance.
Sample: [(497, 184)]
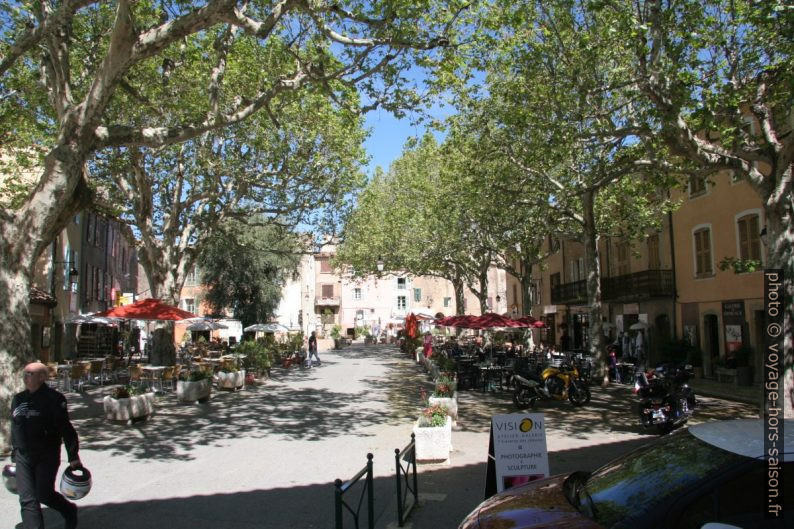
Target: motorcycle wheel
[(579, 395), (664, 428), (523, 399)]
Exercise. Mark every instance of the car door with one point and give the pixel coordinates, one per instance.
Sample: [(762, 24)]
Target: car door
[(737, 498)]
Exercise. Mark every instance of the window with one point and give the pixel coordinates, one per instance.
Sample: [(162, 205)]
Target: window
[(534, 292), (89, 228), (190, 280), (622, 250), (447, 302), (417, 295), (356, 293), (327, 291), (401, 283), (654, 262), (703, 252), (554, 280), (325, 265), (515, 294), (697, 186), (577, 269), (189, 304), (749, 237), (401, 304)]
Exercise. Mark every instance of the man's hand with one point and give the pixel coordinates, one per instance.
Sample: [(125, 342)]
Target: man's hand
[(75, 464)]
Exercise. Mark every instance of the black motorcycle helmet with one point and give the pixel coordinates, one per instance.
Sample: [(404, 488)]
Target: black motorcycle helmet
[(10, 478)]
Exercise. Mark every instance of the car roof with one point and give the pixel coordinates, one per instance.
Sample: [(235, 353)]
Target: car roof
[(745, 437)]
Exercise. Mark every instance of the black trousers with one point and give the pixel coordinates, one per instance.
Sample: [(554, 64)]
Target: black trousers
[(36, 485)]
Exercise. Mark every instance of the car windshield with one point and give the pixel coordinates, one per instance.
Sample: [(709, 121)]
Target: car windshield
[(630, 486)]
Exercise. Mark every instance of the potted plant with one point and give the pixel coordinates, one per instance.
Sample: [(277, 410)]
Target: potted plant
[(433, 434), (194, 386), (445, 394), (231, 378), (336, 334), (128, 403)]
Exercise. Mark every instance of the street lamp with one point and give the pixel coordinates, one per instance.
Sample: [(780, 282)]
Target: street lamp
[(73, 273), (379, 264)]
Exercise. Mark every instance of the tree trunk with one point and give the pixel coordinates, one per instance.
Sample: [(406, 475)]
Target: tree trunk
[(24, 235), (526, 294), (779, 211), (593, 267), (457, 284)]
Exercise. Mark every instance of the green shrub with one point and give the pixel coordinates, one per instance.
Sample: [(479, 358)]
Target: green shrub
[(435, 415)]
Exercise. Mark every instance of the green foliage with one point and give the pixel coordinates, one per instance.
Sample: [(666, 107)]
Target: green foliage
[(245, 268), (336, 332), (433, 416), (125, 392), (362, 331), (445, 387), (195, 375), (739, 266)]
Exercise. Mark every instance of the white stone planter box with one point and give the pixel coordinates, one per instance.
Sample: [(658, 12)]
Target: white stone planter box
[(128, 409), (231, 380), (450, 403), (433, 443), (192, 391)]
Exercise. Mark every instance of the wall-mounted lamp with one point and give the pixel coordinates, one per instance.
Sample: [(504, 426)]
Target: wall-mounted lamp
[(379, 264), (73, 273)]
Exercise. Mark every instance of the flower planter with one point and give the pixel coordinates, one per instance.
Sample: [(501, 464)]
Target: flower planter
[(434, 443), (231, 381), (192, 391), (135, 407), (450, 403)]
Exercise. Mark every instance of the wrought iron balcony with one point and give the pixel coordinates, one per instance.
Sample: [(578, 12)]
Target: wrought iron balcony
[(640, 285), (628, 287), (326, 302)]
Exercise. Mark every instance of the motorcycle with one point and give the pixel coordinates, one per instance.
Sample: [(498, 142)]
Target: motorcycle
[(557, 383), (666, 400)]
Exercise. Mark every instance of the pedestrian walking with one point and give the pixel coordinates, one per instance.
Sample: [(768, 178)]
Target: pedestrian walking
[(313, 349), (40, 422)]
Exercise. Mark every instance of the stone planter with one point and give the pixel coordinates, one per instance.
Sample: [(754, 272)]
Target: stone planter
[(450, 403), (231, 381), (192, 391), (433, 444), (135, 407)]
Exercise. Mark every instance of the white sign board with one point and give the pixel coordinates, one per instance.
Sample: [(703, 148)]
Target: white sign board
[(520, 455)]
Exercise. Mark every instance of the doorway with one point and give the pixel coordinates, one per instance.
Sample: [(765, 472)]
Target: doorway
[(711, 336)]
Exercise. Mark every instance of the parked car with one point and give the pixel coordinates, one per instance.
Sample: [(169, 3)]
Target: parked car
[(710, 474)]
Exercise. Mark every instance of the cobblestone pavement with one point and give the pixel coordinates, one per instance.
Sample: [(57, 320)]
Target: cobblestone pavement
[(267, 456)]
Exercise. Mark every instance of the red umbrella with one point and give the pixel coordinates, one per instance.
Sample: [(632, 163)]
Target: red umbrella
[(411, 327), (490, 320), (465, 321), (147, 309), (529, 321)]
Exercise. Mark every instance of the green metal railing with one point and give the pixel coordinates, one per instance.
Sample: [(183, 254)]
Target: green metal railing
[(405, 477), (340, 504)]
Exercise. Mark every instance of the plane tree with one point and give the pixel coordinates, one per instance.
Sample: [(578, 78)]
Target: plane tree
[(71, 69)]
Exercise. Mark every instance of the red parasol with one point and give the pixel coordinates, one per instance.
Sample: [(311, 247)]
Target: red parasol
[(411, 326), (490, 320), (529, 321), (147, 309)]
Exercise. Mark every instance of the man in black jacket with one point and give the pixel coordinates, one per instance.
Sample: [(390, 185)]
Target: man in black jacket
[(40, 423)]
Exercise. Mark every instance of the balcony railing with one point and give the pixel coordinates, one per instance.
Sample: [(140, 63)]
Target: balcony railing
[(628, 287), (326, 302)]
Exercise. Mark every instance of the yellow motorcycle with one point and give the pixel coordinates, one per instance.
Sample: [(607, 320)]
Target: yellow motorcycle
[(558, 383)]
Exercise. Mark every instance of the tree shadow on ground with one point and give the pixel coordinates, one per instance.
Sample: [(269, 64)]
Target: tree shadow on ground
[(447, 495)]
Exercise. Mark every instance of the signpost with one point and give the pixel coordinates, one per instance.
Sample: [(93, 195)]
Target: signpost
[(517, 451)]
